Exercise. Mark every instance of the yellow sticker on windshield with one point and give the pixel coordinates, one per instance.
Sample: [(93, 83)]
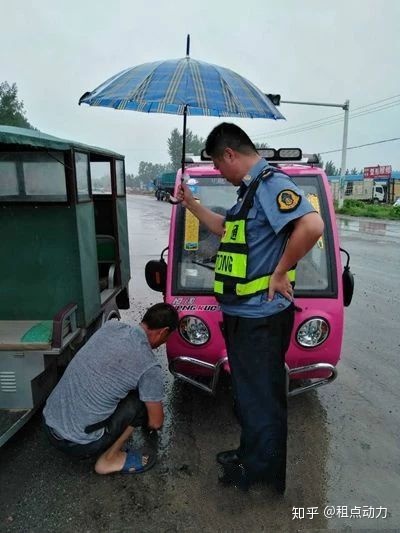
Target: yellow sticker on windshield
[(192, 230), (314, 201)]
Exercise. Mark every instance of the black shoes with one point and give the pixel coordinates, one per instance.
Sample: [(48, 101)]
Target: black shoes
[(234, 473), (229, 457)]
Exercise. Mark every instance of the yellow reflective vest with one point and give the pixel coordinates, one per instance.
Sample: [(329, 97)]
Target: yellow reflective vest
[(231, 280)]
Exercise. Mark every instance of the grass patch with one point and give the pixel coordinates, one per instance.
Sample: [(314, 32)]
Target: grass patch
[(356, 208)]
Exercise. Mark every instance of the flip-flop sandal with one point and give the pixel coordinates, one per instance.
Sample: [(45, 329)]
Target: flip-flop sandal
[(134, 462)]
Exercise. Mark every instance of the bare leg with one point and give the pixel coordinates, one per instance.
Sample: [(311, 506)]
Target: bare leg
[(113, 459)]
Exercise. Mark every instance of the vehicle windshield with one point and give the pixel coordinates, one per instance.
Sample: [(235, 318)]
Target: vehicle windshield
[(314, 273), (196, 246)]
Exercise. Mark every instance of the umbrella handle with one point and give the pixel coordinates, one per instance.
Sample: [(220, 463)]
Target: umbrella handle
[(174, 201)]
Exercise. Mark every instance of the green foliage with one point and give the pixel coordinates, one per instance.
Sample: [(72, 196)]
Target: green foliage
[(330, 169), (194, 145), (363, 209), (146, 174), (175, 148), (12, 111)]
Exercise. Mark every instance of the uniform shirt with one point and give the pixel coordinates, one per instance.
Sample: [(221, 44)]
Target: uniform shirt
[(268, 228), (116, 360)]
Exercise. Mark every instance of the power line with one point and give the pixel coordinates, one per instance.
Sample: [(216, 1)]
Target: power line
[(299, 125), (337, 116), (362, 145), (337, 121)]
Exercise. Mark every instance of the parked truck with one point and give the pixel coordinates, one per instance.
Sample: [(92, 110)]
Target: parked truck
[(164, 185), (366, 190)]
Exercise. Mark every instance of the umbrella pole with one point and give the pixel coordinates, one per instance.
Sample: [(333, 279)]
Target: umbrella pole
[(172, 200), (184, 118), (184, 142)]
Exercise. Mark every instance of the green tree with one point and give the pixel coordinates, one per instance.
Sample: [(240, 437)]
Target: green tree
[(194, 145), (354, 171), (12, 111), (130, 180), (330, 169), (148, 172)]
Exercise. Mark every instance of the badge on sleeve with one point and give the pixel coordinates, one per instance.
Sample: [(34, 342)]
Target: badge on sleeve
[(288, 200)]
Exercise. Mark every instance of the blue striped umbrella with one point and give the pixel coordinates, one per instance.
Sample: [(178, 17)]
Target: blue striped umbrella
[(170, 86), (183, 86)]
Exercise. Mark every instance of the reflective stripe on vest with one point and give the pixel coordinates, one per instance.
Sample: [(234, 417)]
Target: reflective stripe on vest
[(232, 257), (251, 287), (235, 231), (231, 264)]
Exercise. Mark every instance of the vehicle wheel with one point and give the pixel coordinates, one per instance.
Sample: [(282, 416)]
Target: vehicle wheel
[(113, 315), (375, 201)]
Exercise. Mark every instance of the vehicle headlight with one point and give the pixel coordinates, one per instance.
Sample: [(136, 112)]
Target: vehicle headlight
[(194, 330), (312, 332)]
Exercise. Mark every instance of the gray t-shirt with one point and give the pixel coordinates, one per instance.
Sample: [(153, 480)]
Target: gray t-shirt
[(116, 360)]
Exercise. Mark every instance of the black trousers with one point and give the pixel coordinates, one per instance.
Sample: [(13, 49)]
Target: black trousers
[(131, 411), (256, 353)]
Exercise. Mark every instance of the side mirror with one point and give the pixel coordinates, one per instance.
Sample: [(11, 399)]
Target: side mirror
[(347, 281), (156, 274)]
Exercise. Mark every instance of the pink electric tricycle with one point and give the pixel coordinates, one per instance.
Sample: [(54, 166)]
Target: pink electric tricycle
[(197, 352)]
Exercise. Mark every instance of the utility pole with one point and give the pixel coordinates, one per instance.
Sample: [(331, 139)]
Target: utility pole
[(276, 100), (344, 153)]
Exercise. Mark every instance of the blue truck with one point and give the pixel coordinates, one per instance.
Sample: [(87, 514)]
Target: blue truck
[(164, 185)]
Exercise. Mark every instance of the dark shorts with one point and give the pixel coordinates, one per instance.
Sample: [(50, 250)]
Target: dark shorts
[(131, 411)]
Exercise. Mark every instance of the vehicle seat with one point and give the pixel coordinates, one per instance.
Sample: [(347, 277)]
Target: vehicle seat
[(26, 334), (106, 259)]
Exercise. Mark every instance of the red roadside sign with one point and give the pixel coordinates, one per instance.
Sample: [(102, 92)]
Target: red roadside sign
[(379, 171)]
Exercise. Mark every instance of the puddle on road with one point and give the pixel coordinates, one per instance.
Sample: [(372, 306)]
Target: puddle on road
[(372, 227)]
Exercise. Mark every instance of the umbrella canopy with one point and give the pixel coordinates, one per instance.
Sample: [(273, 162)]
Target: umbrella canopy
[(183, 85)]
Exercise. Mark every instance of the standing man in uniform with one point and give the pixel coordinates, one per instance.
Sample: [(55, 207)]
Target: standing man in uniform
[(270, 228), (112, 385)]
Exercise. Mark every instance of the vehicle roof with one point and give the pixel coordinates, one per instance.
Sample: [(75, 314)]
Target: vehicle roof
[(290, 168), (37, 139), (297, 170)]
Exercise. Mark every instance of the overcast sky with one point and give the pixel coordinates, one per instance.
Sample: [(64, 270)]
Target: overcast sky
[(308, 50)]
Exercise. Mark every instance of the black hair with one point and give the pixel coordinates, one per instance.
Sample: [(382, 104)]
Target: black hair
[(161, 315), (227, 135)]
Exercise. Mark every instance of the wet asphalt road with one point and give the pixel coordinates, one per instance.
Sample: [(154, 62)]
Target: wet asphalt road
[(343, 438)]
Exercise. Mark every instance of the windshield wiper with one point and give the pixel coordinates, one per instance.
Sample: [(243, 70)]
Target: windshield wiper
[(209, 267)]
